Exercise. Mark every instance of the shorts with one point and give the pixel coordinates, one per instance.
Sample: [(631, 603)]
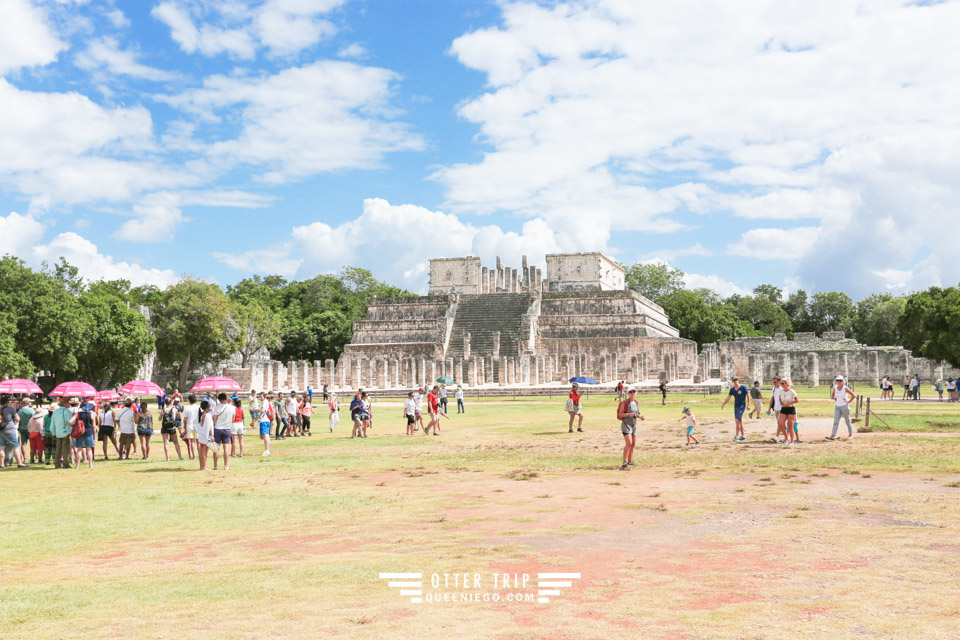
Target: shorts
[(238, 428), (690, 431), (171, 430), (628, 430), (788, 411), (411, 419), (264, 428), (189, 434), (9, 438), (85, 442), (36, 441), (127, 438), (105, 433), (738, 411), (144, 432), (576, 411), (24, 436), (222, 436)]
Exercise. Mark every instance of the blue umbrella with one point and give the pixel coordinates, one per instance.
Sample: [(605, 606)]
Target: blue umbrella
[(583, 380)]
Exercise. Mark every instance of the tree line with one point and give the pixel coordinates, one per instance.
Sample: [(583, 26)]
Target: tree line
[(926, 322), (55, 324)]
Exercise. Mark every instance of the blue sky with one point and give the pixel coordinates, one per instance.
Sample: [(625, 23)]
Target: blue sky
[(805, 144)]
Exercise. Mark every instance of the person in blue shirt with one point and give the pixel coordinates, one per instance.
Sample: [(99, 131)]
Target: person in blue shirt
[(310, 393), (739, 393)]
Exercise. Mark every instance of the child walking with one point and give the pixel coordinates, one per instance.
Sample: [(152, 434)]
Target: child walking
[(691, 421)]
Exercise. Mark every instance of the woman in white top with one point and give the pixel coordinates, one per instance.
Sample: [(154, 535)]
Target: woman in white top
[(334, 411), (108, 425), (788, 411), (410, 413), (204, 433)]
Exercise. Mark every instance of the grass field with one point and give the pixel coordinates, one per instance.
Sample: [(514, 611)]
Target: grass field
[(826, 539)]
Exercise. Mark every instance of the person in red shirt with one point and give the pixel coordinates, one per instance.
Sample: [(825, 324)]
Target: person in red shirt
[(573, 407), (433, 407)]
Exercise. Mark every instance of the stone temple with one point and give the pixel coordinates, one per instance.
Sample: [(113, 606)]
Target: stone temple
[(506, 326)]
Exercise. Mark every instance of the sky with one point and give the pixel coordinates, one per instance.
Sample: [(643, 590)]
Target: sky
[(809, 144)]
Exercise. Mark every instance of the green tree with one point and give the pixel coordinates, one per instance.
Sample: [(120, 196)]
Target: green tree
[(192, 326), (797, 307), (930, 324), (875, 319), (831, 311), (13, 364), (698, 316), (116, 338), (257, 328), (654, 280), (763, 315), (771, 292)]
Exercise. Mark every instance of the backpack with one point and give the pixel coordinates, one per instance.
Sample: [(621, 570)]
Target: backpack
[(168, 422), (79, 428)]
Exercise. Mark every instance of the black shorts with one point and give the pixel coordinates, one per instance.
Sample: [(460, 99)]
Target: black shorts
[(171, 430), (105, 432), (411, 419), (788, 411)]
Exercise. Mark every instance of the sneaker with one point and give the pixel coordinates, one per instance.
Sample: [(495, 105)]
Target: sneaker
[(829, 438), (265, 454), (570, 431), (579, 429), (623, 466), (631, 464), (736, 439)]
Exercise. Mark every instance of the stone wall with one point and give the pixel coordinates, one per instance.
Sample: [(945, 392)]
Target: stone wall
[(583, 272)]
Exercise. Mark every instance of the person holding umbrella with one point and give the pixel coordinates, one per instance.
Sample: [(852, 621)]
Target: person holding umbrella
[(573, 407), (10, 436)]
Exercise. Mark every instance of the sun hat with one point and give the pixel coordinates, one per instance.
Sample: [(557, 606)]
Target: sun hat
[(631, 388), (686, 410), (735, 378), (839, 377)]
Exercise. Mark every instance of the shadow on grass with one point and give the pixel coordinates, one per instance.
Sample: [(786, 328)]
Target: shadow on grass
[(163, 470), (550, 433)]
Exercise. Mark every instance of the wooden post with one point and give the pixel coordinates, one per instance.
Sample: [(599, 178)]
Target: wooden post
[(867, 423)]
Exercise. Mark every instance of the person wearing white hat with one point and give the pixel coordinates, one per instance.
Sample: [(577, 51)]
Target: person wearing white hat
[(841, 395), (628, 411)]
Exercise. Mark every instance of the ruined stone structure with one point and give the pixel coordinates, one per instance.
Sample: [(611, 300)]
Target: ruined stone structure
[(809, 360), (506, 326)]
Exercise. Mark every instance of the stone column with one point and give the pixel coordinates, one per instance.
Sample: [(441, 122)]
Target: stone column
[(466, 345), (495, 336), (267, 377), (384, 374), (278, 380), (502, 371), (582, 365), (357, 373), (873, 362), (471, 372), (292, 380), (783, 364), (533, 371), (813, 365), (484, 280), (845, 365), (344, 365)]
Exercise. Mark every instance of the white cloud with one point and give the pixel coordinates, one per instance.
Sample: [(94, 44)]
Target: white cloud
[(787, 245), (395, 242), (672, 255), (353, 50), (20, 233), (283, 27), (836, 113), (157, 216), (715, 283), (26, 38), (325, 116), (106, 53), (94, 265)]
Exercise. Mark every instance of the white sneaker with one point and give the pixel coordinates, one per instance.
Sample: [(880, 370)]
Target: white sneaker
[(265, 453)]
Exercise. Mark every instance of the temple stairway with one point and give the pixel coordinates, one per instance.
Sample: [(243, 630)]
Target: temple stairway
[(481, 316)]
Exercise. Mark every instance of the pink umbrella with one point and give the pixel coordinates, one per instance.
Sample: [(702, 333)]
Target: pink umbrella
[(141, 388), (19, 385), (108, 395), (217, 383), (78, 389)]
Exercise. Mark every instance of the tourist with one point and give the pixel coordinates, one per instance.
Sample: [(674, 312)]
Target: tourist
[(107, 431), (280, 415), (291, 408), (325, 397), (620, 391), (204, 431), (691, 422), (310, 395), (306, 412), (11, 434), (756, 397), (433, 408), (842, 396), (788, 411), (127, 418), (333, 406), (907, 380), (356, 415), (663, 392), (883, 388), (443, 397), (574, 408), (35, 428), (739, 394), (418, 398), (627, 412), (951, 390), (460, 407), (26, 413), (915, 386), (168, 428), (49, 441), (62, 425), (776, 407), (84, 444), (237, 430), (78, 430), (145, 431), (191, 416), (367, 414), (938, 387), (410, 412), (223, 414), (266, 418)]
